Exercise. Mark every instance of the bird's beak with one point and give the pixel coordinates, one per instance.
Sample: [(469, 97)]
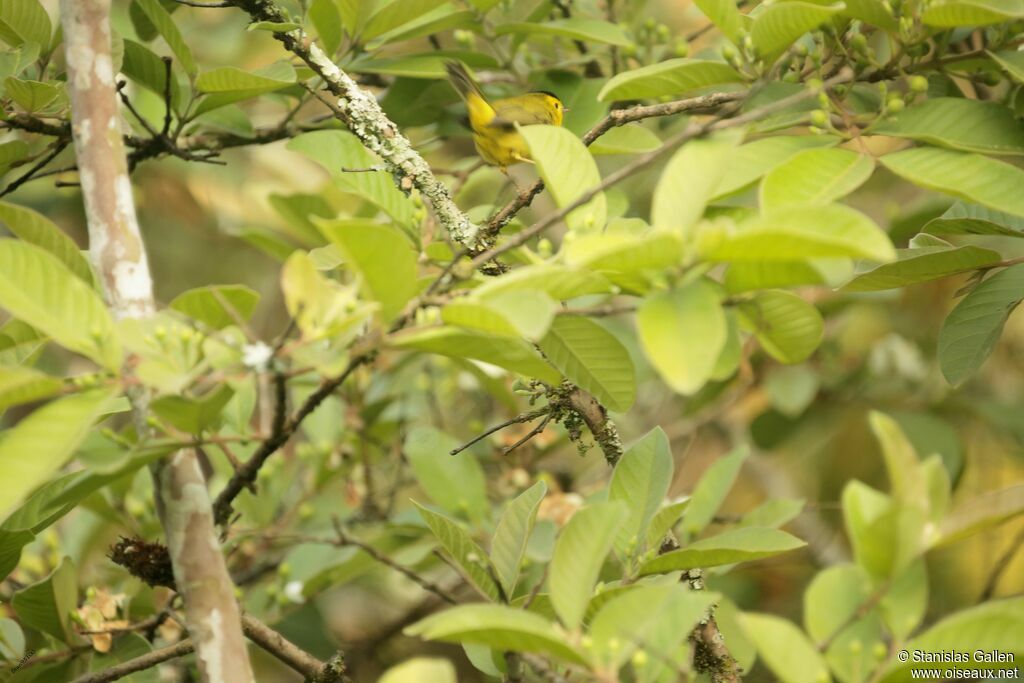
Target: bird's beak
[(566, 110)]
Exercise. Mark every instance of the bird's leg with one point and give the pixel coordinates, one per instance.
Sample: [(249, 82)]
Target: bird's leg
[(523, 194)]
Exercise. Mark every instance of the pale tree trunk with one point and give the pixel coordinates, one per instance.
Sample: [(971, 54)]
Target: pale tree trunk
[(119, 256)]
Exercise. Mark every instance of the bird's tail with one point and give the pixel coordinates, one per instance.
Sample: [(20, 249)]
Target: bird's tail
[(480, 112)]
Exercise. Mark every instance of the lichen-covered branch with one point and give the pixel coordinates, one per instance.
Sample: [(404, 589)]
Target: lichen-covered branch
[(359, 110), (119, 256)]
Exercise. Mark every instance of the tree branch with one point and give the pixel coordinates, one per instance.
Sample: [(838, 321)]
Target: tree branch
[(140, 663), (283, 429), (119, 255), (360, 111)]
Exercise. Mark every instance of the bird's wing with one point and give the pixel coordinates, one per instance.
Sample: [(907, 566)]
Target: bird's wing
[(511, 111)]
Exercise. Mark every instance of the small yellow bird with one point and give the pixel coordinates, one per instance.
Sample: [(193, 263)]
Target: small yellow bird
[(494, 123)]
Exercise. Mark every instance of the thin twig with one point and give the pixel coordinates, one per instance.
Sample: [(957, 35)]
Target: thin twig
[(58, 147), (141, 663), (282, 432), (344, 539), (1001, 565), (518, 419), (168, 82), (529, 435), (862, 610)]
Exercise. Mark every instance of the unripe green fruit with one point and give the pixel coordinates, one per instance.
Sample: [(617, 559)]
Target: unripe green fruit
[(662, 32), (682, 48), (819, 117), (918, 83), (895, 104)]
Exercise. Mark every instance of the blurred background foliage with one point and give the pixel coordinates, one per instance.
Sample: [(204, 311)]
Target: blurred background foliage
[(208, 224)]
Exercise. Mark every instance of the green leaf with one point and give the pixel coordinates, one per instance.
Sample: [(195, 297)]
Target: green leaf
[(671, 77), (815, 176), (11, 152), (217, 306), (747, 276), (383, 258), (395, 13), (954, 13), (870, 11), (569, 171), (19, 342), (788, 328), (512, 533), (326, 20), (273, 26), (729, 547), (640, 619), (143, 66), (664, 521), (971, 219), (615, 254), (32, 96), (577, 28), (40, 290), (433, 669), (838, 610), (641, 480), (193, 415), (467, 555), (525, 313), (59, 496), (47, 605), (682, 332), (227, 79), (905, 603), (784, 649), (559, 282), (779, 25), (773, 513), (886, 537), (711, 490), (971, 330), (982, 512), (24, 21), (689, 180), (36, 229), (579, 554), (794, 233), (724, 15), (12, 640), (429, 65), (1012, 62), (923, 265), (338, 149), (593, 358), (321, 307), (971, 177), (499, 627), (990, 627), (51, 434), (443, 18), (631, 138), (729, 359), (752, 160), (511, 354), (168, 30), (23, 385), (959, 123), (455, 482), (791, 389)]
